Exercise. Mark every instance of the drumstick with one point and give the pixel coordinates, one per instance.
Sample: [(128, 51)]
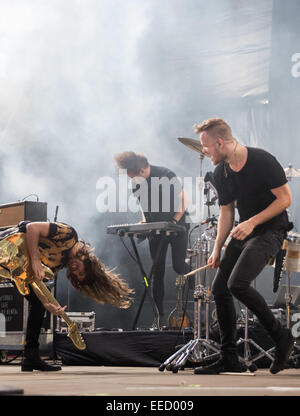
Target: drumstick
[(196, 271)]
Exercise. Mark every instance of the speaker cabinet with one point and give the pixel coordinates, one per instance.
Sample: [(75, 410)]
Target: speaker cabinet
[(11, 214), (13, 319)]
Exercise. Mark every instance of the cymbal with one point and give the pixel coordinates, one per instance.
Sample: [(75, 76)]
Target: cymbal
[(192, 144), (291, 172)]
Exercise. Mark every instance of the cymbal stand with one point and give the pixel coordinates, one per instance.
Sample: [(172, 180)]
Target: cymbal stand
[(198, 346), (247, 359), (288, 298)]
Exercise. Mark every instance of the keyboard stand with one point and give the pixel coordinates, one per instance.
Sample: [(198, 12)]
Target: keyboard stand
[(147, 284)]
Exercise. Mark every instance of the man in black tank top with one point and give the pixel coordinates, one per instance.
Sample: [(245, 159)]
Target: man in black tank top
[(161, 198), (253, 180)]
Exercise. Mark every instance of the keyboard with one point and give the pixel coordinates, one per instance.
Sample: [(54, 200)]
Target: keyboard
[(124, 230)]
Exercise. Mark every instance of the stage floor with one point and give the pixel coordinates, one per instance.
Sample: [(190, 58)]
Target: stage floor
[(146, 381)]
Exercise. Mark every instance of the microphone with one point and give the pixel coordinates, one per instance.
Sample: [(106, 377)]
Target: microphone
[(209, 177), (213, 220)]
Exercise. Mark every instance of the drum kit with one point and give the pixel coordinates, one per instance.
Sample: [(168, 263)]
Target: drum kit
[(202, 348)]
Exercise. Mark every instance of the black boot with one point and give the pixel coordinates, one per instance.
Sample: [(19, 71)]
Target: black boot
[(228, 363), (284, 342), (32, 361)]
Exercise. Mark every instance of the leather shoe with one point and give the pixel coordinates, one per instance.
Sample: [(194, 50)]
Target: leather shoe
[(226, 364), (283, 349), (32, 361), (38, 364)]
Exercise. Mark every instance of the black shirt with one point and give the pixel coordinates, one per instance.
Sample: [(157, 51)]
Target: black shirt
[(160, 195), (251, 187)]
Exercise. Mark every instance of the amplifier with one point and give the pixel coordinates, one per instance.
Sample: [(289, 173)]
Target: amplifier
[(13, 319), (85, 321), (11, 214)]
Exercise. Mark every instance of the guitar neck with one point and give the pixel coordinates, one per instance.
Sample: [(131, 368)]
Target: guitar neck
[(39, 285), (180, 282)]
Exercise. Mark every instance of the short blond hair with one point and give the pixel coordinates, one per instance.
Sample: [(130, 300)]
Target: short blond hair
[(215, 127)]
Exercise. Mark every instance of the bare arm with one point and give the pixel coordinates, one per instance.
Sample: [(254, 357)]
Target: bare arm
[(184, 202), (34, 231), (225, 224), (283, 200)]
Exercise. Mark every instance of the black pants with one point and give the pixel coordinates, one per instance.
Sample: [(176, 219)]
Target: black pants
[(36, 312), (178, 244), (243, 261)]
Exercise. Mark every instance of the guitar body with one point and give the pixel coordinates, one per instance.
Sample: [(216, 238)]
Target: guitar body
[(179, 319), (14, 262)]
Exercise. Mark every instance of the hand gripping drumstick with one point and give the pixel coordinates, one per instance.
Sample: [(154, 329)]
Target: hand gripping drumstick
[(196, 271)]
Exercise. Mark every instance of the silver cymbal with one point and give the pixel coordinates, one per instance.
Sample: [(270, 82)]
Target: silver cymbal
[(192, 144), (291, 172)]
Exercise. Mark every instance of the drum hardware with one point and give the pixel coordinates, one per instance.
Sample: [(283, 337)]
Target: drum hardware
[(247, 359), (211, 231), (242, 319), (294, 357), (199, 346), (291, 264), (190, 253), (291, 172)]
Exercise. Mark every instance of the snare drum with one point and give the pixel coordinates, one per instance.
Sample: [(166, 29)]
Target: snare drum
[(292, 258)]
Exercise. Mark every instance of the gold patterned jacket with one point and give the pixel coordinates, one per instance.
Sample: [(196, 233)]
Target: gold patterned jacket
[(54, 249)]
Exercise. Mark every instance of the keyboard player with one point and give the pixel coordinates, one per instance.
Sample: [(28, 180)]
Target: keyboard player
[(161, 198)]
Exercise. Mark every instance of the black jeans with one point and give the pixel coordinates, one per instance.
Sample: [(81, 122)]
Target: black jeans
[(242, 262), (178, 244), (36, 312)]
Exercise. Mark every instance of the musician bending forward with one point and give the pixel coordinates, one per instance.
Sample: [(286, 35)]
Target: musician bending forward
[(57, 246), (161, 198), (256, 181)]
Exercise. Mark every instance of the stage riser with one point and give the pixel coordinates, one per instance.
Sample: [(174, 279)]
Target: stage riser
[(124, 348)]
